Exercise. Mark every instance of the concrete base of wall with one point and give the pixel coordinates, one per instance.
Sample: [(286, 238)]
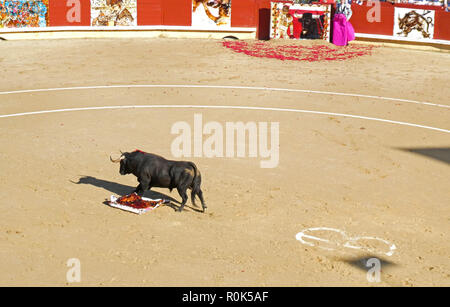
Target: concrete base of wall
[(390, 41), (405, 44), (147, 32)]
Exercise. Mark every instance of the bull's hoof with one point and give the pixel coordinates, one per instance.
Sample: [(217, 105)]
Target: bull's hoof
[(179, 209)]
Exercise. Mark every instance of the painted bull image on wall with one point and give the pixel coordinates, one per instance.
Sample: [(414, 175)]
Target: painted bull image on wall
[(415, 21), (155, 171)]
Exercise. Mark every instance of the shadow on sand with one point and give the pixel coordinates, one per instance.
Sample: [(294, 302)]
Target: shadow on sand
[(438, 153), (121, 189), (361, 262)]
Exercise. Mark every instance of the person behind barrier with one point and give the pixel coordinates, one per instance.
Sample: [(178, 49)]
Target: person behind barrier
[(344, 7), (343, 31)]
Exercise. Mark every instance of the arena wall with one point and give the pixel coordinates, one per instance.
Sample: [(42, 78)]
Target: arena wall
[(175, 18)]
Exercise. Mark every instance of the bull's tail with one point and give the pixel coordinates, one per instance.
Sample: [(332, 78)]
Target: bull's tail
[(195, 187)]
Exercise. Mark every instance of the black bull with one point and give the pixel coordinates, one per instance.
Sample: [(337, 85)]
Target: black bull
[(154, 171)]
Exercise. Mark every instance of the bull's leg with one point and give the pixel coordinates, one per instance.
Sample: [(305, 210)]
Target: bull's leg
[(200, 195), (144, 185), (138, 190), (193, 197), (182, 191)]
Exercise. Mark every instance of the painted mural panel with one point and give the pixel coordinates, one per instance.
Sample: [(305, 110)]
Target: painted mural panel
[(300, 21), (211, 13), (414, 23), (113, 13), (23, 13)]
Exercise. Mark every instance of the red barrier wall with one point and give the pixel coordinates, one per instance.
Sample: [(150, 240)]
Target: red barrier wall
[(150, 13), (155, 12), (243, 13), (69, 13), (361, 24), (442, 32), (177, 12)]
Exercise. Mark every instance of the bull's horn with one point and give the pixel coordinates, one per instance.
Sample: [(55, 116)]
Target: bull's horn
[(116, 160)]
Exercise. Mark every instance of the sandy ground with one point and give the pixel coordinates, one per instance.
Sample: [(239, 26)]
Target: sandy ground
[(367, 178)]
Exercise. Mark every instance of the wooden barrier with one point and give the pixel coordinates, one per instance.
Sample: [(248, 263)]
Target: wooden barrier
[(249, 16)]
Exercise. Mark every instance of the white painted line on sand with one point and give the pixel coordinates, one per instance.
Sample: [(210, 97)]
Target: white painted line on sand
[(223, 87), (226, 108)]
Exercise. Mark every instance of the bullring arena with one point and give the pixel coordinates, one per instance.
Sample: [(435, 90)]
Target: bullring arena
[(363, 168)]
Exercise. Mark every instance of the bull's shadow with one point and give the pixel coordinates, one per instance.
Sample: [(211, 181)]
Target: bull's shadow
[(363, 264), (438, 153), (121, 189)]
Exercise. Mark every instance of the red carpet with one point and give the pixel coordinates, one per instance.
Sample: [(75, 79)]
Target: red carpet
[(298, 53)]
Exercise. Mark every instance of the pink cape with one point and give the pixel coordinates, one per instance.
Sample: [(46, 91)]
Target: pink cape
[(343, 31)]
